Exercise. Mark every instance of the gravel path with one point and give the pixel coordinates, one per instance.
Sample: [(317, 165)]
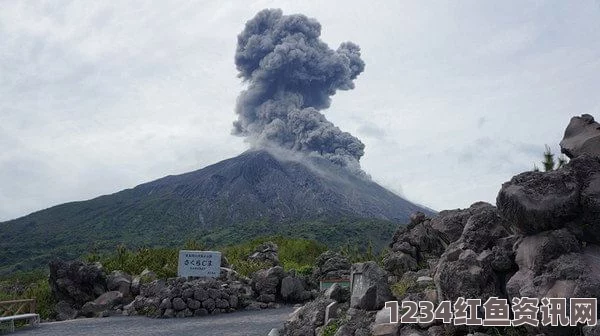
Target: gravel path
[(245, 323)]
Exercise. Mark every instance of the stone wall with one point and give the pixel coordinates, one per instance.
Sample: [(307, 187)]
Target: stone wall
[(179, 297)]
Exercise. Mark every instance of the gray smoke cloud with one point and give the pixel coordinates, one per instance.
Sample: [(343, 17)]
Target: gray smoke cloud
[(291, 76)]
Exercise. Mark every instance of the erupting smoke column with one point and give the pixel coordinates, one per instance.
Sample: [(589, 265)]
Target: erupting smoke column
[(291, 75)]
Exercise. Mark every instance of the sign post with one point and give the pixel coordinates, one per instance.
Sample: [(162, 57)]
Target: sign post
[(199, 264)]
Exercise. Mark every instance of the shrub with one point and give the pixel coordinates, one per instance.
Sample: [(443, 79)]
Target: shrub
[(249, 267), (331, 329), (40, 290), (29, 285), (305, 270), (162, 261), (400, 288), (294, 253), (356, 254), (549, 162)]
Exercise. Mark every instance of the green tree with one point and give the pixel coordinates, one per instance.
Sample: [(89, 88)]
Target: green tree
[(549, 162)]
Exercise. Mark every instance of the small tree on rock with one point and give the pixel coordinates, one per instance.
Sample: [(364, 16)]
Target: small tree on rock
[(549, 162)]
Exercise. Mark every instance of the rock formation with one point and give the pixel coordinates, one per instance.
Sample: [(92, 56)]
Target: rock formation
[(266, 252), (331, 265), (75, 283), (582, 136), (178, 297), (541, 240)]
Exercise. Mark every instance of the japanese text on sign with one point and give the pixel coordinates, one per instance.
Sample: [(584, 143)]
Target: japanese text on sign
[(199, 264)]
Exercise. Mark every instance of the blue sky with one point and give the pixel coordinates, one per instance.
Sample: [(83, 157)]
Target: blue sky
[(456, 98)]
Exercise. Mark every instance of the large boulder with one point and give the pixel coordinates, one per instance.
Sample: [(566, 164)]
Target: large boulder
[(267, 283), (538, 201), (147, 276), (338, 293), (582, 136), (293, 289), (76, 282), (473, 266), (119, 281), (398, 262), (103, 303), (555, 264), (331, 265), (306, 319), (587, 170), (534, 202), (370, 289), (382, 325), (64, 311), (450, 223)]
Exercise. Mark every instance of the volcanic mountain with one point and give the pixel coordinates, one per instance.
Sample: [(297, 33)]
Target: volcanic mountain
[(256, 193)]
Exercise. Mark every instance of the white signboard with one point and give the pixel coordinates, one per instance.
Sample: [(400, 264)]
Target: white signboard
[(199, 264)]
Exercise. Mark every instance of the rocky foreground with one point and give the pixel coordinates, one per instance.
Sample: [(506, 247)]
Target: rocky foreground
[(542, 240)]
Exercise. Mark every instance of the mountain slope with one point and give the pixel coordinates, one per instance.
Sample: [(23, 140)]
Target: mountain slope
[(252, 194)]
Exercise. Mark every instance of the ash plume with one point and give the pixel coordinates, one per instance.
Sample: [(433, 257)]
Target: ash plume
[(291, 75)]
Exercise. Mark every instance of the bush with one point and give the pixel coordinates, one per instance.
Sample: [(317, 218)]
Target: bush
[(29, 285), (331, 328), (294, 253), (162, 261), (305, 270), (356, 254), (249, 267), (41, 291), (400, 288)]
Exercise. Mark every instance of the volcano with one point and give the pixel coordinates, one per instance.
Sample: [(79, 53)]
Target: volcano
[(303, 178), (256, 193)]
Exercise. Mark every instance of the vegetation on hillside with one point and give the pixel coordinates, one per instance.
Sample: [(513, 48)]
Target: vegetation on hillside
[(29, 285), (294, 253), (23, 252)]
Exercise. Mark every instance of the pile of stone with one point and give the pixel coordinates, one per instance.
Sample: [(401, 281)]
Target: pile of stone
[(73, 284), (542, 240), (312, 318), (274, 285), (178, 297), (267, 253), (331, 265), (84, 289)]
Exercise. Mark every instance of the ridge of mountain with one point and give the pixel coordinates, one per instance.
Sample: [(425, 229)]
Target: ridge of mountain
[(256, 193)]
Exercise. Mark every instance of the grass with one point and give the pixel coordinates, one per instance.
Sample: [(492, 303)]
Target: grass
[(29, 285), (357, 254), (162, 261), (294, 253), (331, 328), (400, 288)]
